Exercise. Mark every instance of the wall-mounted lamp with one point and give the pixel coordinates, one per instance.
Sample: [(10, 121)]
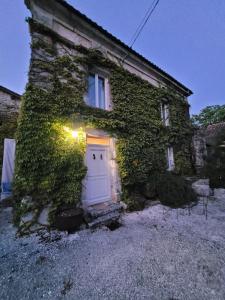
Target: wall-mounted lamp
[(74, 134)]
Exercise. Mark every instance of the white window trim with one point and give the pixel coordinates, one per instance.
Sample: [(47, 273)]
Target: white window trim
[(170, 159), (165, 112), (106, 91)]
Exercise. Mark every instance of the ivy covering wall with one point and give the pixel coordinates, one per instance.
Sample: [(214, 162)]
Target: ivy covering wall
[(50, 162)]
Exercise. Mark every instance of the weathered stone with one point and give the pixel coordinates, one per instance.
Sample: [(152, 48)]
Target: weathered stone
[(204, 181), (9, 103), (27, 201), (27, 218), (99, 211), (35, 228), (43, 217), (103, 214), (219, 194), (124, 205), (200, 152), (201, 188), (105, 220)]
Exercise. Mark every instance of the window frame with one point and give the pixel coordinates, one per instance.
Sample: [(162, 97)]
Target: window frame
[(170, 159), (98, 75), (165, 114)]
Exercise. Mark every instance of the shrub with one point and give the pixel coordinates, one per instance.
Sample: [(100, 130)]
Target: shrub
[(134, 198), (171, 189), (174, 191)]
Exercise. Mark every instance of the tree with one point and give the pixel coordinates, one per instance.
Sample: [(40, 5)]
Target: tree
[(210, 115)]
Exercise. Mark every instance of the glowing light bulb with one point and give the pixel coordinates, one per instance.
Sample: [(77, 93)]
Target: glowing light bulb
[(74, 134)]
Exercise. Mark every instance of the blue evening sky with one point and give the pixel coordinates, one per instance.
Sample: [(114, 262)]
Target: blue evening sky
[(186, 38)]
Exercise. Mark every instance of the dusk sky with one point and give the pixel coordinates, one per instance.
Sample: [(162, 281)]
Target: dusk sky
[(186, 38)]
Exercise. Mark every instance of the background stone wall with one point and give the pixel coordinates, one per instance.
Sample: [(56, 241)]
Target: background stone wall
[(200, 151), (8, 103), (9, 109), (209, 150)]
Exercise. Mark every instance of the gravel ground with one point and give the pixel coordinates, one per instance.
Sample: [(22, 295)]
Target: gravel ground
[(159, 253)]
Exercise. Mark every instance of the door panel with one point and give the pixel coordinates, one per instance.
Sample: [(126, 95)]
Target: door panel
[(97, 181)]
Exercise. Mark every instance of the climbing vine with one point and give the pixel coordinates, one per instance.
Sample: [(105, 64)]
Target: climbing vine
[(50, 163)]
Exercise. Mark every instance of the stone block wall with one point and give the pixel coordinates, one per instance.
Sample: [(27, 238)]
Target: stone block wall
[(8, 103), (9, 109), (199, 149)]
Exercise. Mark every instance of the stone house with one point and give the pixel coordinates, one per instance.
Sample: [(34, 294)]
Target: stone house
[(209, 143), (9, 101), (9, 109), (130, 117)]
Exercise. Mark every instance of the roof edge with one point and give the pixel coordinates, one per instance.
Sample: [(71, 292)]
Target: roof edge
[(115, 39), (8, 91)]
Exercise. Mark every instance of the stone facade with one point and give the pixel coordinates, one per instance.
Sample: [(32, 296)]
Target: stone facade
[(204, 140), (58, 30), (9, 101), (77, 29), (9, 109), (199, 149)]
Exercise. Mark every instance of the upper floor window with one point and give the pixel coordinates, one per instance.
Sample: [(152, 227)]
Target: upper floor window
[(165, 114), (96, 95), (170, 159)]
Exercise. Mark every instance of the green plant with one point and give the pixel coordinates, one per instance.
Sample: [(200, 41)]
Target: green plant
[(210, 115), (133, 198), (174, 191)]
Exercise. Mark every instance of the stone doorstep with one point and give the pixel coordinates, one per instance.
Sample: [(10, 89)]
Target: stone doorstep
[(103, 214), (104, 220), (103, 209)]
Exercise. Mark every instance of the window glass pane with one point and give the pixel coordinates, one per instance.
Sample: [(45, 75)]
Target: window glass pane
[(101, 92), (165, 114), (170, 158), (91, 100)]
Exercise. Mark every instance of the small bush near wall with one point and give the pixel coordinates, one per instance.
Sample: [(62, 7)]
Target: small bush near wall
[(171, 189), (174, 191)]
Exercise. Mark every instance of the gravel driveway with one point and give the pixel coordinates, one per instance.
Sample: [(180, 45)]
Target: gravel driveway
[(159, 253)]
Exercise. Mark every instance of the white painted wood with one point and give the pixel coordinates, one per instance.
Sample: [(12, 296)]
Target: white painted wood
[(165, 114), (8, 168), (96, 91), (170, 159), (108, 104), (97, 182)]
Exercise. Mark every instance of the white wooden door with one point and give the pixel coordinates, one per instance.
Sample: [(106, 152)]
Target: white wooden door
[(97, 181)]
